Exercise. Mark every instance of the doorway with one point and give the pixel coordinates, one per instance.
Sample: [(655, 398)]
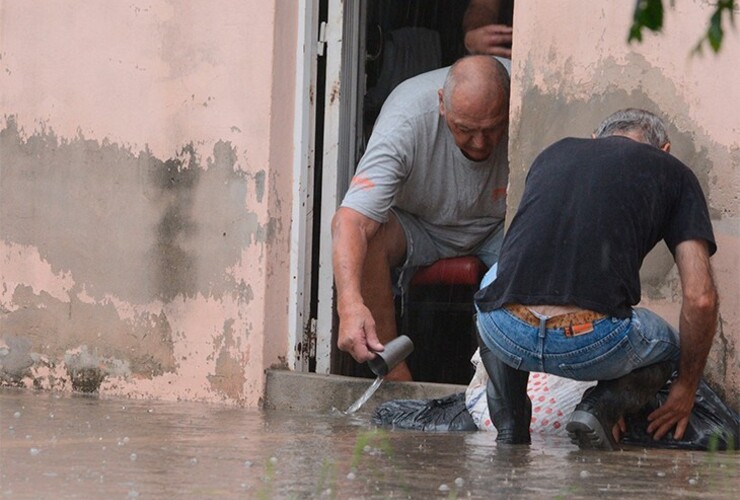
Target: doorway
[(371, 46)]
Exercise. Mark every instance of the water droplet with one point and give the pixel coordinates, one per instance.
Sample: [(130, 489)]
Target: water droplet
[(34, 451), (351, 476), (443, 487), (459, 482)]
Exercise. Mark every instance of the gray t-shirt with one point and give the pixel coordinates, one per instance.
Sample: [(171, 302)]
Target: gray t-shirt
[(412, 163)]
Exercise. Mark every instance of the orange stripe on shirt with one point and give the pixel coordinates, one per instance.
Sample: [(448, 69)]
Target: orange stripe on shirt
[(499, 193), (362, 182)]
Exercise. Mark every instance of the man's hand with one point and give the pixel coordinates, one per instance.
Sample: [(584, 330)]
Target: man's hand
[(357, 334), (619, 428), (675, 411), (697, 324), (493, 39)]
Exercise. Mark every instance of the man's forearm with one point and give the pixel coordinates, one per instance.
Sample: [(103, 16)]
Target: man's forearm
[(699, 308), (697, 325), (349, 248), (348, 259)]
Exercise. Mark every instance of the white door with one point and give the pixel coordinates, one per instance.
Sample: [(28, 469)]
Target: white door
[(301, 325), (344, 91)]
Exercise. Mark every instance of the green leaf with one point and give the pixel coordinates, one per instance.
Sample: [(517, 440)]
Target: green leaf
[(648, 14)]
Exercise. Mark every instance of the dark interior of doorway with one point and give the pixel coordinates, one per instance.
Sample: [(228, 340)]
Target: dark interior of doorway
[(394, 29)]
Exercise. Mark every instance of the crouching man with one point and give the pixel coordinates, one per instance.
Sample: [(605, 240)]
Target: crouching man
[(563, 298)]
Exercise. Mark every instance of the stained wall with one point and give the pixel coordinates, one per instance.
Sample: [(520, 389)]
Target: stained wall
[(572, 66), (145, 180)]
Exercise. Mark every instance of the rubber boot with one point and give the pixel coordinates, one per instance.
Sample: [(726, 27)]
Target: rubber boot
[(508, 404), (590, 425)]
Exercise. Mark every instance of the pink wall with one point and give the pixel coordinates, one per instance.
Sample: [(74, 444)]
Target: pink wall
[(581, 69), (147, 158), (145, 195)]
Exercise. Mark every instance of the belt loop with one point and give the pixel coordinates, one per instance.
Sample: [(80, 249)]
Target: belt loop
[(543, 322)]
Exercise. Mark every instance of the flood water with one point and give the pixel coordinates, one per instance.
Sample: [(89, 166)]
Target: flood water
[(62, 446)]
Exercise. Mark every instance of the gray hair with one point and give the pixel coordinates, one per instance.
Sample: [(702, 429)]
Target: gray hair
[(649, 126)]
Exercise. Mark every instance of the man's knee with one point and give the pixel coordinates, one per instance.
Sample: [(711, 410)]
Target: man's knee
[(389, 242)]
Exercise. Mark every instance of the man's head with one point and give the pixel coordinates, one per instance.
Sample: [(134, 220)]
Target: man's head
[(475, 104), (637, 124)]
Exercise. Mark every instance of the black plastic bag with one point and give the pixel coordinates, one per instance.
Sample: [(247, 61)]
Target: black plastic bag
[(430, 415), (712, 424)]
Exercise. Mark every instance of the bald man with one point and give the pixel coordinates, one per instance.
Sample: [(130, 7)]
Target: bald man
[(431, 185)]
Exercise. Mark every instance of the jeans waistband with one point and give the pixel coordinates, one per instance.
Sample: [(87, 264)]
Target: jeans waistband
[(567, 320)]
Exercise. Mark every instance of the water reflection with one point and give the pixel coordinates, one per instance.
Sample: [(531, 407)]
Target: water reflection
[(91, 448)]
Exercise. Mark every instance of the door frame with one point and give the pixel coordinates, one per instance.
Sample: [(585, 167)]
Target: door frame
[(342, 142), (301, 342)]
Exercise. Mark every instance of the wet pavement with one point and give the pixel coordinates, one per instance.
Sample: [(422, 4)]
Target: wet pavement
[(62, 446)]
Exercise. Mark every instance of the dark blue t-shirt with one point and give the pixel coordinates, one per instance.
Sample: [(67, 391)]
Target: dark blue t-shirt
[(590, 212)]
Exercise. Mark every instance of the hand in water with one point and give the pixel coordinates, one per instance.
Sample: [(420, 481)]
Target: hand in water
[(619, 428), (674, 412)]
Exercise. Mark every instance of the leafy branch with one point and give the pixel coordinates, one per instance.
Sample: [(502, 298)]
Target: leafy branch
[(649, 15)]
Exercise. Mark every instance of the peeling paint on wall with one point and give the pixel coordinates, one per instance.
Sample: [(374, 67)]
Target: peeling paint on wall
[(228, 378), (138, 218), (137, 214), (117, 236)]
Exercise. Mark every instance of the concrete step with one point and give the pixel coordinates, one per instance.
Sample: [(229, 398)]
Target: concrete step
[(299, 391)]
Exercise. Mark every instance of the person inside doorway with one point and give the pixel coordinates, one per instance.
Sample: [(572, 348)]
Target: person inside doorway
[(431, 185), (488, 27)]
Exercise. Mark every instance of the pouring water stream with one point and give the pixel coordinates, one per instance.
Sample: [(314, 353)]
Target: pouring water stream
[(367, 395), (393, 353)]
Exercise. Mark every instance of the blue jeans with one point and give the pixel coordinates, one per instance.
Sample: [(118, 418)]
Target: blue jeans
[(613, 349)]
